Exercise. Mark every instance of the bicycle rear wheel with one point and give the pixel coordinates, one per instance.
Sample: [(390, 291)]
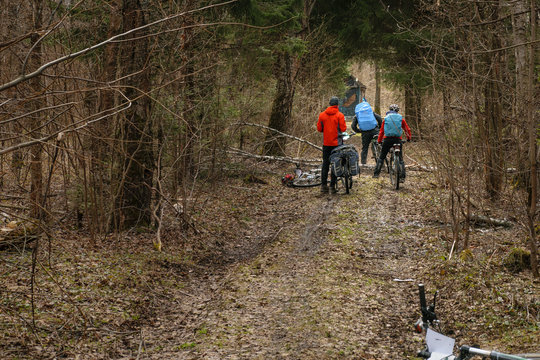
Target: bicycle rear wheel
[(391, 168), (347, 180), (395, 169)]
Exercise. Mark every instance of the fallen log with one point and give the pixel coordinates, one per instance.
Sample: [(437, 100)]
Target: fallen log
[(15, 234), (486, 220)]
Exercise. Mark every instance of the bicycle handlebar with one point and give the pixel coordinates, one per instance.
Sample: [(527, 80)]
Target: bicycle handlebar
[(466, 351)]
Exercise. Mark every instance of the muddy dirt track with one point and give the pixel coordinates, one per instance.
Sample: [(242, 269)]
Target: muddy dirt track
[(323, 283), (262, 271)]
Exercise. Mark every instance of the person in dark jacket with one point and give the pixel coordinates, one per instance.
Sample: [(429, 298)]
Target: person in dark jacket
[(391, 132), (367, 136), (331, 123)]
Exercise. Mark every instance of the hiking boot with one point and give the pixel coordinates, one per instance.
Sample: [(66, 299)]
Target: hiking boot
[(324, 189), (333, 190), (378, 168)]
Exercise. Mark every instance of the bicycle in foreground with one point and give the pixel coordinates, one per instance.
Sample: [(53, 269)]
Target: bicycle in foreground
[(344, 163), (440, 347)]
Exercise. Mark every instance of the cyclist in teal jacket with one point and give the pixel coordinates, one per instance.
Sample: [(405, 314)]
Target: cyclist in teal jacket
[(391, 132)]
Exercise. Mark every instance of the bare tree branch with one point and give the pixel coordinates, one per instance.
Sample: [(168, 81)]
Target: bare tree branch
[(273, 158), (281, 133), (43, 67)]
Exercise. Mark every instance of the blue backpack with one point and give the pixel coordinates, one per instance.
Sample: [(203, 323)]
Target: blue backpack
[(392, 125), (365, 117)]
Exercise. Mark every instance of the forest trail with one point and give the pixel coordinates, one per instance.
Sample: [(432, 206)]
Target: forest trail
[(323, 288)]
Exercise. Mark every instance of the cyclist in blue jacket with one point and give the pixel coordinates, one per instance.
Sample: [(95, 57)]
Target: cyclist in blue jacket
[(367, 135), (392, 129)]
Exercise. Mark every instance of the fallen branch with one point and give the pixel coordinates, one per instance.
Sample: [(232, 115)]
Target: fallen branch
[(59, 60), (485, 220), (281, 133), (416, 165), (274, 158), (18, 234)]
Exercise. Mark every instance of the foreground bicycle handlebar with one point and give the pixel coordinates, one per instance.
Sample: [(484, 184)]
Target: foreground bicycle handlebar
[(429, 318)]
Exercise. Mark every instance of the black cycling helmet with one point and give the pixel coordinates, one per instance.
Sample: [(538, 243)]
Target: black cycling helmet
[(394, 107), (334, 101)]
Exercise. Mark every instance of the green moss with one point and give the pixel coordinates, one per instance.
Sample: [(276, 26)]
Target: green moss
[(517, 260)]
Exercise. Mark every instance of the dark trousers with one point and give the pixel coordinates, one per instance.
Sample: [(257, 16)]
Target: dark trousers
[(367, 136), (326, 150), (387, 144)]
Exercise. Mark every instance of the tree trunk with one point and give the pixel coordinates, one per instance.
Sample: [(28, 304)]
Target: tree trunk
[(282, 105), (377, 88), (493, 151), (133, 203), (100, 148), (188, 95), (413, 109), (532, 111), (520, 23), (36, 187)]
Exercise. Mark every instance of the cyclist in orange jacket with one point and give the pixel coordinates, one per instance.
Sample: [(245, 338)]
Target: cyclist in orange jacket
[(392, 129), (331, 122)]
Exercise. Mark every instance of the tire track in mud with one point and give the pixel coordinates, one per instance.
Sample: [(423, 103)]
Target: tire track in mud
[(312, 239)]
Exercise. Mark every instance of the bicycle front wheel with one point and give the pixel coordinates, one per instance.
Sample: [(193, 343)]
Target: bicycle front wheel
[(374, 150)]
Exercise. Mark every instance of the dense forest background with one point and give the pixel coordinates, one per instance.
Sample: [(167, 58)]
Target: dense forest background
[(115, 114)]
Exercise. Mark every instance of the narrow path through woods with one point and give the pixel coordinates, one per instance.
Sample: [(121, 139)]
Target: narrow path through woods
[(323, 288)]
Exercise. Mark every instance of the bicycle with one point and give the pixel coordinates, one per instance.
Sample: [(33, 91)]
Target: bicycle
[(303, 179), (434, 339), (394, 166), (344, 163)]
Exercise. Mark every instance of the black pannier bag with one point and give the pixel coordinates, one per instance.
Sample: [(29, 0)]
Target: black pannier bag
[(344, 151), (335, 161), (354, 161)]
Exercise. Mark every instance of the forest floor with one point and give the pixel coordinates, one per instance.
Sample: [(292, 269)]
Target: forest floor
[(264, 271)]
